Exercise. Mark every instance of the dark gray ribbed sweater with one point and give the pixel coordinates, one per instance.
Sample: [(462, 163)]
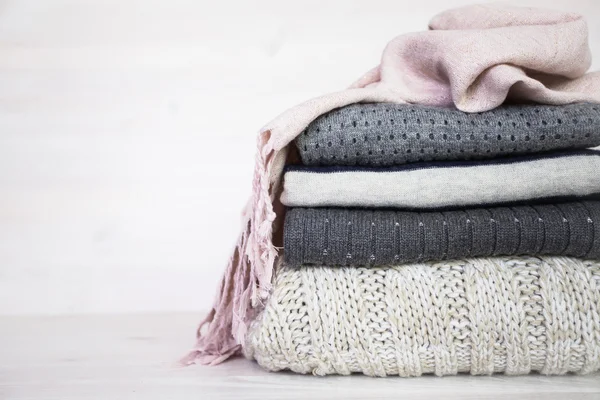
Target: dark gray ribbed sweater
[(383, 134), (337, 236)]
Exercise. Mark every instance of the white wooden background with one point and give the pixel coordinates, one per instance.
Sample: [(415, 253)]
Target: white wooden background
[(127, 133)]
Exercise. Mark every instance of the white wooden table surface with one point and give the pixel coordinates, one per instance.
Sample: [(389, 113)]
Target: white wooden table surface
[(131, 357)]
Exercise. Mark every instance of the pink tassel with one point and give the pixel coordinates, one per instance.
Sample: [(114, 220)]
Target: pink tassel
[(247, 279)]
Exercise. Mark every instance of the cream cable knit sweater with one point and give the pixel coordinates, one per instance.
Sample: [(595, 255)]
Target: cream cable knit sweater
[(510, 315)]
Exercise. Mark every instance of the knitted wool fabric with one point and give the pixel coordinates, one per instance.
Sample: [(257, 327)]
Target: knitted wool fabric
[(473, 58), (337, 236), (383, 134), (445, 184), (510, 315)]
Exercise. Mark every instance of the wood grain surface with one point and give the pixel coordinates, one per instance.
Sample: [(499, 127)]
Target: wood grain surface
[(132, 357)]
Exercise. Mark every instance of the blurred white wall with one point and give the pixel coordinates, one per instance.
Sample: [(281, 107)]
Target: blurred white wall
[(127, 133)]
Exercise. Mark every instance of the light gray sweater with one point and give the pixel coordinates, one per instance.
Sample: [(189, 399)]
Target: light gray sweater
[(445, 184)]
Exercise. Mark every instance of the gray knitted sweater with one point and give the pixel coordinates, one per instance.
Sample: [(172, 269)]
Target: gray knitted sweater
[(337, 236), (383, 134)]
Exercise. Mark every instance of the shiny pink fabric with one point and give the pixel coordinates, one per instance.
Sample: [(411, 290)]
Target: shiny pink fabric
[(473, 58)]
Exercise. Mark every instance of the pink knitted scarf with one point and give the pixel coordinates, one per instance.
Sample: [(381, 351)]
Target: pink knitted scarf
[(473, 58)]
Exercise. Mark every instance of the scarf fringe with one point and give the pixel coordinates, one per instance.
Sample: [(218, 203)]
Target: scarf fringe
[(247, 279)]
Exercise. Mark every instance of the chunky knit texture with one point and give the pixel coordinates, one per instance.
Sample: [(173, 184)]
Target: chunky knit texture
[(445, 184), (337, 236), (383, 134), (510, 315)]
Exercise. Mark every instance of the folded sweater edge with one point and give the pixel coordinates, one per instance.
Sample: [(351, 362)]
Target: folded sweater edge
[(444, 164)]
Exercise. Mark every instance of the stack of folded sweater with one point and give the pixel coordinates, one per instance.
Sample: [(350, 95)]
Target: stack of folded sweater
[(427, 240), (385, 183), (389, 233)]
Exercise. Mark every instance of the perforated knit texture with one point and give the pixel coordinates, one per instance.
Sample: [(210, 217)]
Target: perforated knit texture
[(510, 315), (341, 236), (382, 134)]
